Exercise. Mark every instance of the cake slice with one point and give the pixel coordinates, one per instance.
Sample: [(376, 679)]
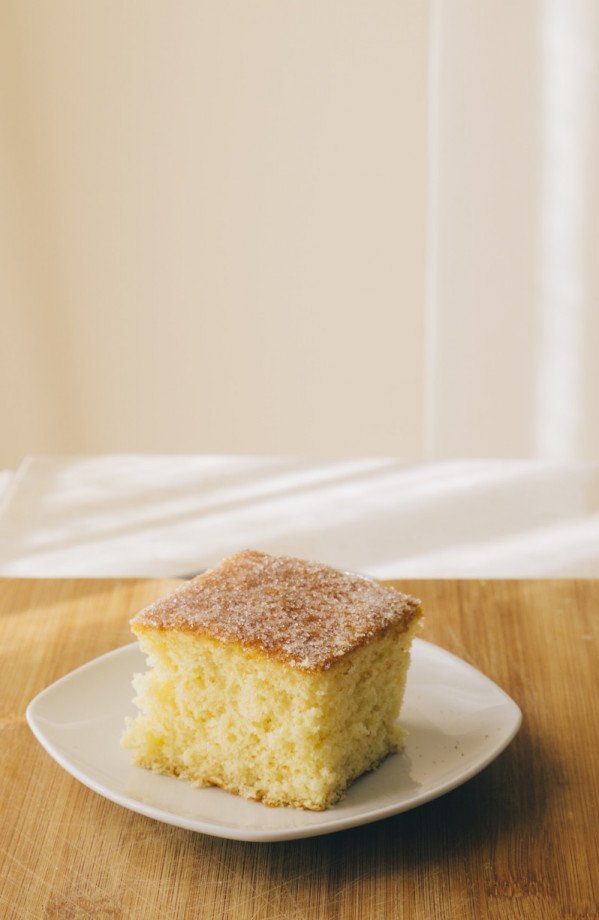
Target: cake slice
[(272, 677)]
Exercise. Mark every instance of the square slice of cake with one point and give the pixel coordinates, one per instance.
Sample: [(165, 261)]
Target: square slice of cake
[(274, 678)]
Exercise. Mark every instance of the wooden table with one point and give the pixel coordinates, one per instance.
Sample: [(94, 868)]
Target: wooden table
[(518, 841)]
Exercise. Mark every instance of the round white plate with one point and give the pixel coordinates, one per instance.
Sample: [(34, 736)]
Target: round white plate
[(458, 722)]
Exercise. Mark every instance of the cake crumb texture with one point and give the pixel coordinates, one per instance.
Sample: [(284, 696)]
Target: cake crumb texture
[(234, 705)]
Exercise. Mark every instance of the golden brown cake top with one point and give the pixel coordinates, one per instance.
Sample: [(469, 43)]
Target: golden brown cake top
[(305, 613)]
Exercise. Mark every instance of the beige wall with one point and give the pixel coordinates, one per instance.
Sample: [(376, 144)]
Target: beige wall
[(212, 226), (513, 202)]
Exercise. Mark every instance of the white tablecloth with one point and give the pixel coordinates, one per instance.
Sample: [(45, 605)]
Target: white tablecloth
[(136, 515)]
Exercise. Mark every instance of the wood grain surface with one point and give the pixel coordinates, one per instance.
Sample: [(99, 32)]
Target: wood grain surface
[(518, 841)]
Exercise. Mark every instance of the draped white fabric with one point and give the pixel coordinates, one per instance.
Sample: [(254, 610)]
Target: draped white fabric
[(165, 516)]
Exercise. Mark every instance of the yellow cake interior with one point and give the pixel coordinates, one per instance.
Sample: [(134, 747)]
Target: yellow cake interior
[(218, 713)]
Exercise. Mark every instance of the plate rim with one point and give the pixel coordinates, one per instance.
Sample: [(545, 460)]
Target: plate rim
[(263, 835)]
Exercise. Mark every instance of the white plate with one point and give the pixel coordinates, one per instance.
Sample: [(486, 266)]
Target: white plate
[(458, 721)]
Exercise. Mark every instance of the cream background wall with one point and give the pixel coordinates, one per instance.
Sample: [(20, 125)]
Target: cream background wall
[(513, 250), (300, 228), (212, 226)]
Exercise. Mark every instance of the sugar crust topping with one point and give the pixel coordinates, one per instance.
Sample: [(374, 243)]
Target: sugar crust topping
[(305, 613)]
